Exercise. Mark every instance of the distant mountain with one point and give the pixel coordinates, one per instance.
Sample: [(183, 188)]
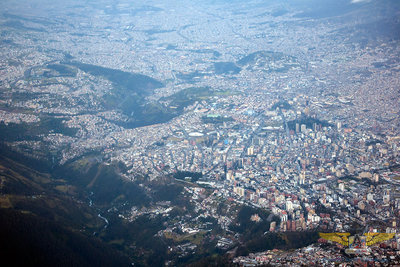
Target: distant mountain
[(319, 9), (371, 33), (269, 61), (226, 68), (126, 81)]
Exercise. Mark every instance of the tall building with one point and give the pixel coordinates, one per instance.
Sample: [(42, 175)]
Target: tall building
[(239, 190), (302, 177), (289, 205), (376, 178), (339, 125), (341, 187), (250, 151)]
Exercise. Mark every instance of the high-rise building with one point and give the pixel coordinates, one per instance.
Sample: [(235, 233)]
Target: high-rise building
[(302, 177), (339, 125), (376, 178), (289, 205), (250, 151), (341, 187)]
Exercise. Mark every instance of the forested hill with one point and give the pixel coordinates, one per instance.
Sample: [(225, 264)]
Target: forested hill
[(31, 240), (43, 222)]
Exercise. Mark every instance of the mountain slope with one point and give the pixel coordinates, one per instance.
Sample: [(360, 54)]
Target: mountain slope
[(44, 222), (30, 240)]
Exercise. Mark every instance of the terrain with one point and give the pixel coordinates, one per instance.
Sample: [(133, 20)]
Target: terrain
[(195, 132), (49, 220)]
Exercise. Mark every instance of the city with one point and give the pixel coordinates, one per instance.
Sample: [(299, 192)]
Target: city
[(256, 104)]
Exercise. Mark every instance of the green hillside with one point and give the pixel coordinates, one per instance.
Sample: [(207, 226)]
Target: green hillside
[(43, 222)]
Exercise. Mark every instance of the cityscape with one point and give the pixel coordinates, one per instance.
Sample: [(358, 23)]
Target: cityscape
[(275, 116)]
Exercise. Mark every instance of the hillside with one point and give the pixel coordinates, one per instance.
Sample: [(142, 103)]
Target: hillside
[(44, 223)]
